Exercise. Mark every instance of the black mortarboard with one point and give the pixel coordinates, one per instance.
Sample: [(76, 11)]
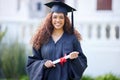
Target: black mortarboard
[(58, 6)]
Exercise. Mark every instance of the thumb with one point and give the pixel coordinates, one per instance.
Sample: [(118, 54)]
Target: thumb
[(76, 52)]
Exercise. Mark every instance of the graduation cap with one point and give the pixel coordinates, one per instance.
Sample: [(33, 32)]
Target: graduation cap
[(58, 6)]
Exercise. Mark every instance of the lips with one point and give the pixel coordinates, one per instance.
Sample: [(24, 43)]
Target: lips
[(57, 24)]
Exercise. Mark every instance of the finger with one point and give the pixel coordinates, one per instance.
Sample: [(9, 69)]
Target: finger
[(48, 63), (76, 52), (53, 65)]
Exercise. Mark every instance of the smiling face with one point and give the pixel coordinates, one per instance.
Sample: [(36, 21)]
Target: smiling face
[(58, 20)]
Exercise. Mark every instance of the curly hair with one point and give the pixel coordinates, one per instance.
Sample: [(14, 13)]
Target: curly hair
[(45, 30)]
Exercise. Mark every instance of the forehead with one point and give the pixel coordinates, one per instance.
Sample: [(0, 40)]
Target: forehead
[(58, 13)]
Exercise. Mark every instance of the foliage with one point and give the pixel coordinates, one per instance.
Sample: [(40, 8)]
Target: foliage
[(24, 78), (108, 76), (2, 34), (87, 77), (13, 60)]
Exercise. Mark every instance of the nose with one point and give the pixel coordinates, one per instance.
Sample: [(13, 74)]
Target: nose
[(57, 19)]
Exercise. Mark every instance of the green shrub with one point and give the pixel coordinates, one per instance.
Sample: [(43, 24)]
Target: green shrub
[(24, 78), (13, 59), (87, 77), (2, 34), (109, 76)]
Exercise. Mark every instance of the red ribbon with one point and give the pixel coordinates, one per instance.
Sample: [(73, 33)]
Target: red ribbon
[(62, 60)]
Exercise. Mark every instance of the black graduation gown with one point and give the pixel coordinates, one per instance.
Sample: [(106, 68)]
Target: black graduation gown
[(72, 69)]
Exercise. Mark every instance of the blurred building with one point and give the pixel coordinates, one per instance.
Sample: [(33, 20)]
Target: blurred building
[(98, 21)]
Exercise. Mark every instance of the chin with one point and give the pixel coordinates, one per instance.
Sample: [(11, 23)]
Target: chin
[(58, 27)]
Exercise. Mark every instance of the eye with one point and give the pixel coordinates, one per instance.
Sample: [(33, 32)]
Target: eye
[(61, 17), (54, 17)]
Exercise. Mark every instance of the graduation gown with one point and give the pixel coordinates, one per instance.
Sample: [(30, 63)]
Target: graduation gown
[(70, 70)]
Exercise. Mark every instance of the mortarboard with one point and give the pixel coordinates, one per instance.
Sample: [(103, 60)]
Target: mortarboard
[(58, 6)]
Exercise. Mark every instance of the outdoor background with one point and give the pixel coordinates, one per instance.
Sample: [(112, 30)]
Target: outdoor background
[(98, 21)]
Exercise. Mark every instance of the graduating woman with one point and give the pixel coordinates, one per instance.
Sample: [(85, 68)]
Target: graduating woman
[(54, 39)]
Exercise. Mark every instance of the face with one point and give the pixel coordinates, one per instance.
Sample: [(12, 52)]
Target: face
[(58, 20)]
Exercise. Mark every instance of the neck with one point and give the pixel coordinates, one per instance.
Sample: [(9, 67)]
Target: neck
[(57, 31)]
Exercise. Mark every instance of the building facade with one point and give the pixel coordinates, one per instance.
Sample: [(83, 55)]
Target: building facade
[(98, 21)]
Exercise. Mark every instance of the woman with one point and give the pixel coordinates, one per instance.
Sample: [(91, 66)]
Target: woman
[(54, 39)]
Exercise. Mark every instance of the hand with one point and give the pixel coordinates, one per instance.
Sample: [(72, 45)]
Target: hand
[(49, 64), (74, 55)]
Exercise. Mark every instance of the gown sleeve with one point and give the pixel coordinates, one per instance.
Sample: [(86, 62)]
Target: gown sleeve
[(77, 66), (35, 66)]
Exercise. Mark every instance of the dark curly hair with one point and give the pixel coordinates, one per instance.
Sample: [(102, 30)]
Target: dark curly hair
[(45, 30)]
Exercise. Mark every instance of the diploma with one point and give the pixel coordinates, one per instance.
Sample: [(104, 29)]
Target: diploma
[(61, 60)]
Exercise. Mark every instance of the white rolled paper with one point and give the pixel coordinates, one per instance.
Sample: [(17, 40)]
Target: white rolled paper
[(58, 60)]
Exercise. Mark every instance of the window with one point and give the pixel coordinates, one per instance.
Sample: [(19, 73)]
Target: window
[(38, 6), (104, 4), (108, 31), (117, 32), (89, 31), (98, 31), (18, 4)]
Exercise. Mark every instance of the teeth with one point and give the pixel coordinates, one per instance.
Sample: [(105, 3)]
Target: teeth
[(57, 24)]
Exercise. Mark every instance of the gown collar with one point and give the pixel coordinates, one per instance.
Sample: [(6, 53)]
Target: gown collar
[(60, 39)]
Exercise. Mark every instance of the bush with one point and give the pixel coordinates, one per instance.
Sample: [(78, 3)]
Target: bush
[(13, 59), (108, 76), (24, 78), (2, 34), (87, 77)]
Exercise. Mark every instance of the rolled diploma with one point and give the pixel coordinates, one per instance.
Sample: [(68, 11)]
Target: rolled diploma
[(58, 60)]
